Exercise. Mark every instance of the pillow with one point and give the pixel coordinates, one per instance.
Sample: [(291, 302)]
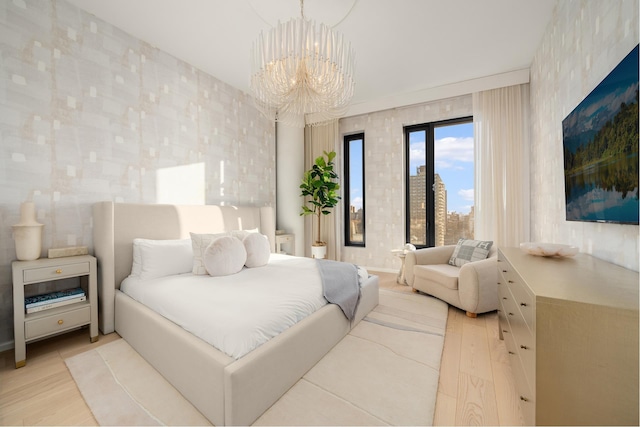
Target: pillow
[(258, 250), (241, 234), (469, 250), (225, 255), (158, 258), (199, 244)]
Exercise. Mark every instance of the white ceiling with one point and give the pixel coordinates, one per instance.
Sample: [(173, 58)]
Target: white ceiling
[(402, 46)]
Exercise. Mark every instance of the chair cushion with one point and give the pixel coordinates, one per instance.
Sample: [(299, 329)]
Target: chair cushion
[(470, 250), (444, 274)]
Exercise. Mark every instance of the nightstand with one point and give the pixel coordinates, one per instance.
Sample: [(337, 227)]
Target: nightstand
[(42, 324), (287, 239)]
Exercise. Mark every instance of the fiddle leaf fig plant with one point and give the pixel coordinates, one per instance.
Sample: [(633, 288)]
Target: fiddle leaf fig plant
[(320, 184)]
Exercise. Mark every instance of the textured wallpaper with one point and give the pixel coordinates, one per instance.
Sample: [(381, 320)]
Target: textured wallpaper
[(583, 43), (90, 113), (384, 178)]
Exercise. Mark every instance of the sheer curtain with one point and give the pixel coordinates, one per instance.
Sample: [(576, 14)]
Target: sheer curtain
[(317, 140), (501, 131)]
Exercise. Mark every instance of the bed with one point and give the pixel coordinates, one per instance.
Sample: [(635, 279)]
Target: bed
[(226, 390)]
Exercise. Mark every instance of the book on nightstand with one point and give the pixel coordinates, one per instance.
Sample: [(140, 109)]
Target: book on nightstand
[(53, 299)]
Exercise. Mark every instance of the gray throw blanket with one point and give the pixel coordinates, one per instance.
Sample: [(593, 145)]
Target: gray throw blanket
[(340, 285)]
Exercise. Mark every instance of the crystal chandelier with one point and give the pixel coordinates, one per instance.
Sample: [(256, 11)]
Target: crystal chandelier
[(302, 74)]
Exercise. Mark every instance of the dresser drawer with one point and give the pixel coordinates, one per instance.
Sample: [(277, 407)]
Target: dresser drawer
[(525, 346), (57, 322), (524, 300), (526, 397), (523, 341), (55, 272), (505, 330)]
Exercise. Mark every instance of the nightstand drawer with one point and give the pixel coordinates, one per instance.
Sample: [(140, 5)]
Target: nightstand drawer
[(57, 322), (55, 272)]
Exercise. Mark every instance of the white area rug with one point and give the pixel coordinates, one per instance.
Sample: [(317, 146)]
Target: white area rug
[(384, 372)]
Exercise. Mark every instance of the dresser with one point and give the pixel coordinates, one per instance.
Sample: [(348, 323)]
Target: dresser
[(570, 326)]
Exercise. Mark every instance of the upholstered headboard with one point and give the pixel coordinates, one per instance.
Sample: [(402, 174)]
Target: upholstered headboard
[(115, 225)]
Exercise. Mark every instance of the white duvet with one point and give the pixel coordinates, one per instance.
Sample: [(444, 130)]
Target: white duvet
[(239, 312)]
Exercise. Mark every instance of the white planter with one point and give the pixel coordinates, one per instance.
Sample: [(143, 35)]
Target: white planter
[(28, 234), (319, 252)]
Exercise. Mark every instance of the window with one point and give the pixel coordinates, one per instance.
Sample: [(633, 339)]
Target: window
[(439, 182), (354, 189)]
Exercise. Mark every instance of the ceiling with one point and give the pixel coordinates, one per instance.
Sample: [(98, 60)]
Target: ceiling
[(402, 46)]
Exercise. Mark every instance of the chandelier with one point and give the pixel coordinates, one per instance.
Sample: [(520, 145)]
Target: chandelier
[(302, 74)]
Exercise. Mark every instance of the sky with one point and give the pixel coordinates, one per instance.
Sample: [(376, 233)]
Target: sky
[(355, 172), (454, 163)]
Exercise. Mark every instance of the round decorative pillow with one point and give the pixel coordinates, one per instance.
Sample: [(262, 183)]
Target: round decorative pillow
[(224, 256), (258, 250)]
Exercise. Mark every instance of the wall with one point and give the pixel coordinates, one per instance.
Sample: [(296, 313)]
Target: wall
[(584, 41), (384, 178), (89, 113)]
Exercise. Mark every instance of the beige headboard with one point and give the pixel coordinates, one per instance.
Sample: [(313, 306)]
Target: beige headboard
[(115, 225)]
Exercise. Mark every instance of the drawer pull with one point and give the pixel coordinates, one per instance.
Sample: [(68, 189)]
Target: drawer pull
[(511, 352), (504, 271), (60, 322), (524, 399), (524, 347), (510, 281), (59, 271), (523, 304), (510, 314), (504, 297), (505, 331)]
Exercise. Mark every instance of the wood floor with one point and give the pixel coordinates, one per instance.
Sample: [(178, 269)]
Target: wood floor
[(476, 384)]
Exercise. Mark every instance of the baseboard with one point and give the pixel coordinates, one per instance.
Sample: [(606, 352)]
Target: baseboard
[(7, 345)]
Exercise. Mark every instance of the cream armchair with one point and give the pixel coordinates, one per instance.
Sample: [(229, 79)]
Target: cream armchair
[(472, 287)]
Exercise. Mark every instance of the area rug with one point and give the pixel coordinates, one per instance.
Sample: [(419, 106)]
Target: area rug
[(384, 372)]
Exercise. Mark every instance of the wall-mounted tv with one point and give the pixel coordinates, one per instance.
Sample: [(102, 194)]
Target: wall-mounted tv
[(600, 140)]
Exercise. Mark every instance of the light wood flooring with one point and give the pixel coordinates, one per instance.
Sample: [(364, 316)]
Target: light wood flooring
[(476, 384)]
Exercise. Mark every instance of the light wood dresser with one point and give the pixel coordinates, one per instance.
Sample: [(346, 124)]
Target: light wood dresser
[(570, 326)]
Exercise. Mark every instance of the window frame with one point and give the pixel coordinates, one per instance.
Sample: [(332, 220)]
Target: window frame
[(347, 190), (429, 129)]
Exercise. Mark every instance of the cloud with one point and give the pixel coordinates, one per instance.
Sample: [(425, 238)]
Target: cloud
[(466, 194), (356, 202), (451, 150), (417, 152)]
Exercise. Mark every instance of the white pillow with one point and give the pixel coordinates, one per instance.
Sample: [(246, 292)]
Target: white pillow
[(241, 234), (199, 244), (158, 258), (258, 250), (225, 256)]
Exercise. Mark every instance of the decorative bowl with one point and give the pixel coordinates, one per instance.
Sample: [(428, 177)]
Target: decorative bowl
[(548, 249)]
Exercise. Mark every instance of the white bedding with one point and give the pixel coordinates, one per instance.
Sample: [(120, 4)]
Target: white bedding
[(239, 312)]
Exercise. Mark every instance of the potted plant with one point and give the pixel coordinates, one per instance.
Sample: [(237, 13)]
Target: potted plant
[(320, 184)]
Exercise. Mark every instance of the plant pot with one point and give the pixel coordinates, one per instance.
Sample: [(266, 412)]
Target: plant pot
[(319, 251)]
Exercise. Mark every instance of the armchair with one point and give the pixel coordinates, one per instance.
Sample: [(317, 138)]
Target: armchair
[(472, 287)]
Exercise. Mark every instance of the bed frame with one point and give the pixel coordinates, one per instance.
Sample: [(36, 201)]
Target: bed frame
[(227, 391)]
